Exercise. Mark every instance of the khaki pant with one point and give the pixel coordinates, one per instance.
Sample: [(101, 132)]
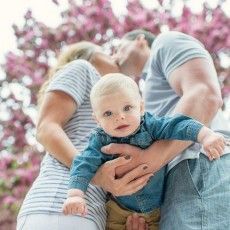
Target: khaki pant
[(116, 217)]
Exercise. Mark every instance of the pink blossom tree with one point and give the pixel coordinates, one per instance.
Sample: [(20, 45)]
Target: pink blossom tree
[(93, 20)]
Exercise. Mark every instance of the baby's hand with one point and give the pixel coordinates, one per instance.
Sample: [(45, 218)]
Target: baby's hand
[(214, 145), (75, 205)]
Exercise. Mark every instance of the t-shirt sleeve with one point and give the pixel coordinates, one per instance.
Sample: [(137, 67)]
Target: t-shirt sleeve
[(173, 49), (74, 80)]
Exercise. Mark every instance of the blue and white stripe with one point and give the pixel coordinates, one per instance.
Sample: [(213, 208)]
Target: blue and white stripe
[(49, 190)]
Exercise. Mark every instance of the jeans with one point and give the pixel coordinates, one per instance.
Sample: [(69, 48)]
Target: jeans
[(197, 195)]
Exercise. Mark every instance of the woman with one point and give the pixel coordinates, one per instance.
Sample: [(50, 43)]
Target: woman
[(63, 128)]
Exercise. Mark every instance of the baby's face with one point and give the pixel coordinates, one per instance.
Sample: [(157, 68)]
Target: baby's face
[(119, 114)]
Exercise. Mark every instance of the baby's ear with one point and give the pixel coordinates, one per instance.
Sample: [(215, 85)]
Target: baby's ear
[(142, 107)]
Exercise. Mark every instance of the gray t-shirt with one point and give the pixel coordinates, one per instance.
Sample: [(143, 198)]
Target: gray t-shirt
[(169, 51)]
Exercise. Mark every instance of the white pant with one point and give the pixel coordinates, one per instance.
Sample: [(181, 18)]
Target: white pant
[(54, 222)]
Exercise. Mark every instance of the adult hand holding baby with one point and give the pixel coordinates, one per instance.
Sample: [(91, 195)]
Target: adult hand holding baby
[(126, 182)]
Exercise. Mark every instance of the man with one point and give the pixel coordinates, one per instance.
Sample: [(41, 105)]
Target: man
[(180, 78)]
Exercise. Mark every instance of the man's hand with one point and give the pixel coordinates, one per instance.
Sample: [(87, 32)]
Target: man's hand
[(128, 184)]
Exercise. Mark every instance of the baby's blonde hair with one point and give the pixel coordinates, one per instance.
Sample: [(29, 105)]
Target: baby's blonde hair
[(113, 83)]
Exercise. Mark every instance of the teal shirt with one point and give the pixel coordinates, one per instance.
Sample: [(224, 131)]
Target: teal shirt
[(152, 128)]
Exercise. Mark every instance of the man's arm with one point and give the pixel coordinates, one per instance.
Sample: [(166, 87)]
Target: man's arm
[(197, 84)]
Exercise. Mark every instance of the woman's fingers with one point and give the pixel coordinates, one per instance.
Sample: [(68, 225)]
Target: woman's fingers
[(117, 162), (124, 188), (139, 171), (136, 185), (119, 149), (125, 150), (105, 175), (130, 183), (134, 222)]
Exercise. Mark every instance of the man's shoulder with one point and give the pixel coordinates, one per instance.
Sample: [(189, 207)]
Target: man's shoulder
[(171, 37)]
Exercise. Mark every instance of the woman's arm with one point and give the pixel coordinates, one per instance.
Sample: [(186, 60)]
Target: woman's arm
[(56, 110)]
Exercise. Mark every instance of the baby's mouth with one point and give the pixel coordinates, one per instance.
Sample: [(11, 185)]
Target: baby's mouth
[(122, 127)]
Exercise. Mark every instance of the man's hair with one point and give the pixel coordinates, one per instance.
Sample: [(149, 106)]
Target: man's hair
[(132, 35), (113, 83)]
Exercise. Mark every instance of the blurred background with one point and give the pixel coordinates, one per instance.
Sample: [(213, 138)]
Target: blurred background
[(33, 33)]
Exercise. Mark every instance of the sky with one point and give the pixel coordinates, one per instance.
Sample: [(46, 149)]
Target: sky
[(9, 15), (12, 11)]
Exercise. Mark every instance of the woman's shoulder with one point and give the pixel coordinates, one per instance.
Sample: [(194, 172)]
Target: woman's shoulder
[(82, 68), (82, 64)]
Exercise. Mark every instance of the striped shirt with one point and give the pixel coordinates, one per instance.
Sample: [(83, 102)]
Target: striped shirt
[(49, 190)]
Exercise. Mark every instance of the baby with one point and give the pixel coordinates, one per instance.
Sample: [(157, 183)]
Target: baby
[(119, 111)]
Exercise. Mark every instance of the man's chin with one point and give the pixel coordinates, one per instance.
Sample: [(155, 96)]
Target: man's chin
[(127, 71)]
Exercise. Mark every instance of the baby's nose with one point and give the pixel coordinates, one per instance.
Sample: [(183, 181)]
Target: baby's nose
[(120, 116)]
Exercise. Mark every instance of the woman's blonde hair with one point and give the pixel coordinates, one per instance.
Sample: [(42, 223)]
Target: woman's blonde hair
[(79, 50)]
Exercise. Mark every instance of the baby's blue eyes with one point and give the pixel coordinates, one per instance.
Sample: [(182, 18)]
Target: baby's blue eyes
[(107, 113), (127, 107)]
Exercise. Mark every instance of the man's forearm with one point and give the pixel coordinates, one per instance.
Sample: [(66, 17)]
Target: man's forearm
[(162, 152), (199, 110), (198, 105)]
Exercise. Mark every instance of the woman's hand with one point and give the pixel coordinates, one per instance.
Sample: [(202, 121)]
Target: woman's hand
[(138, 157), (128, 184)]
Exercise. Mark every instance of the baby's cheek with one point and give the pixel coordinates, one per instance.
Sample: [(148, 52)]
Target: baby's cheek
[(108, 128), (136, 122), (136, 119)]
